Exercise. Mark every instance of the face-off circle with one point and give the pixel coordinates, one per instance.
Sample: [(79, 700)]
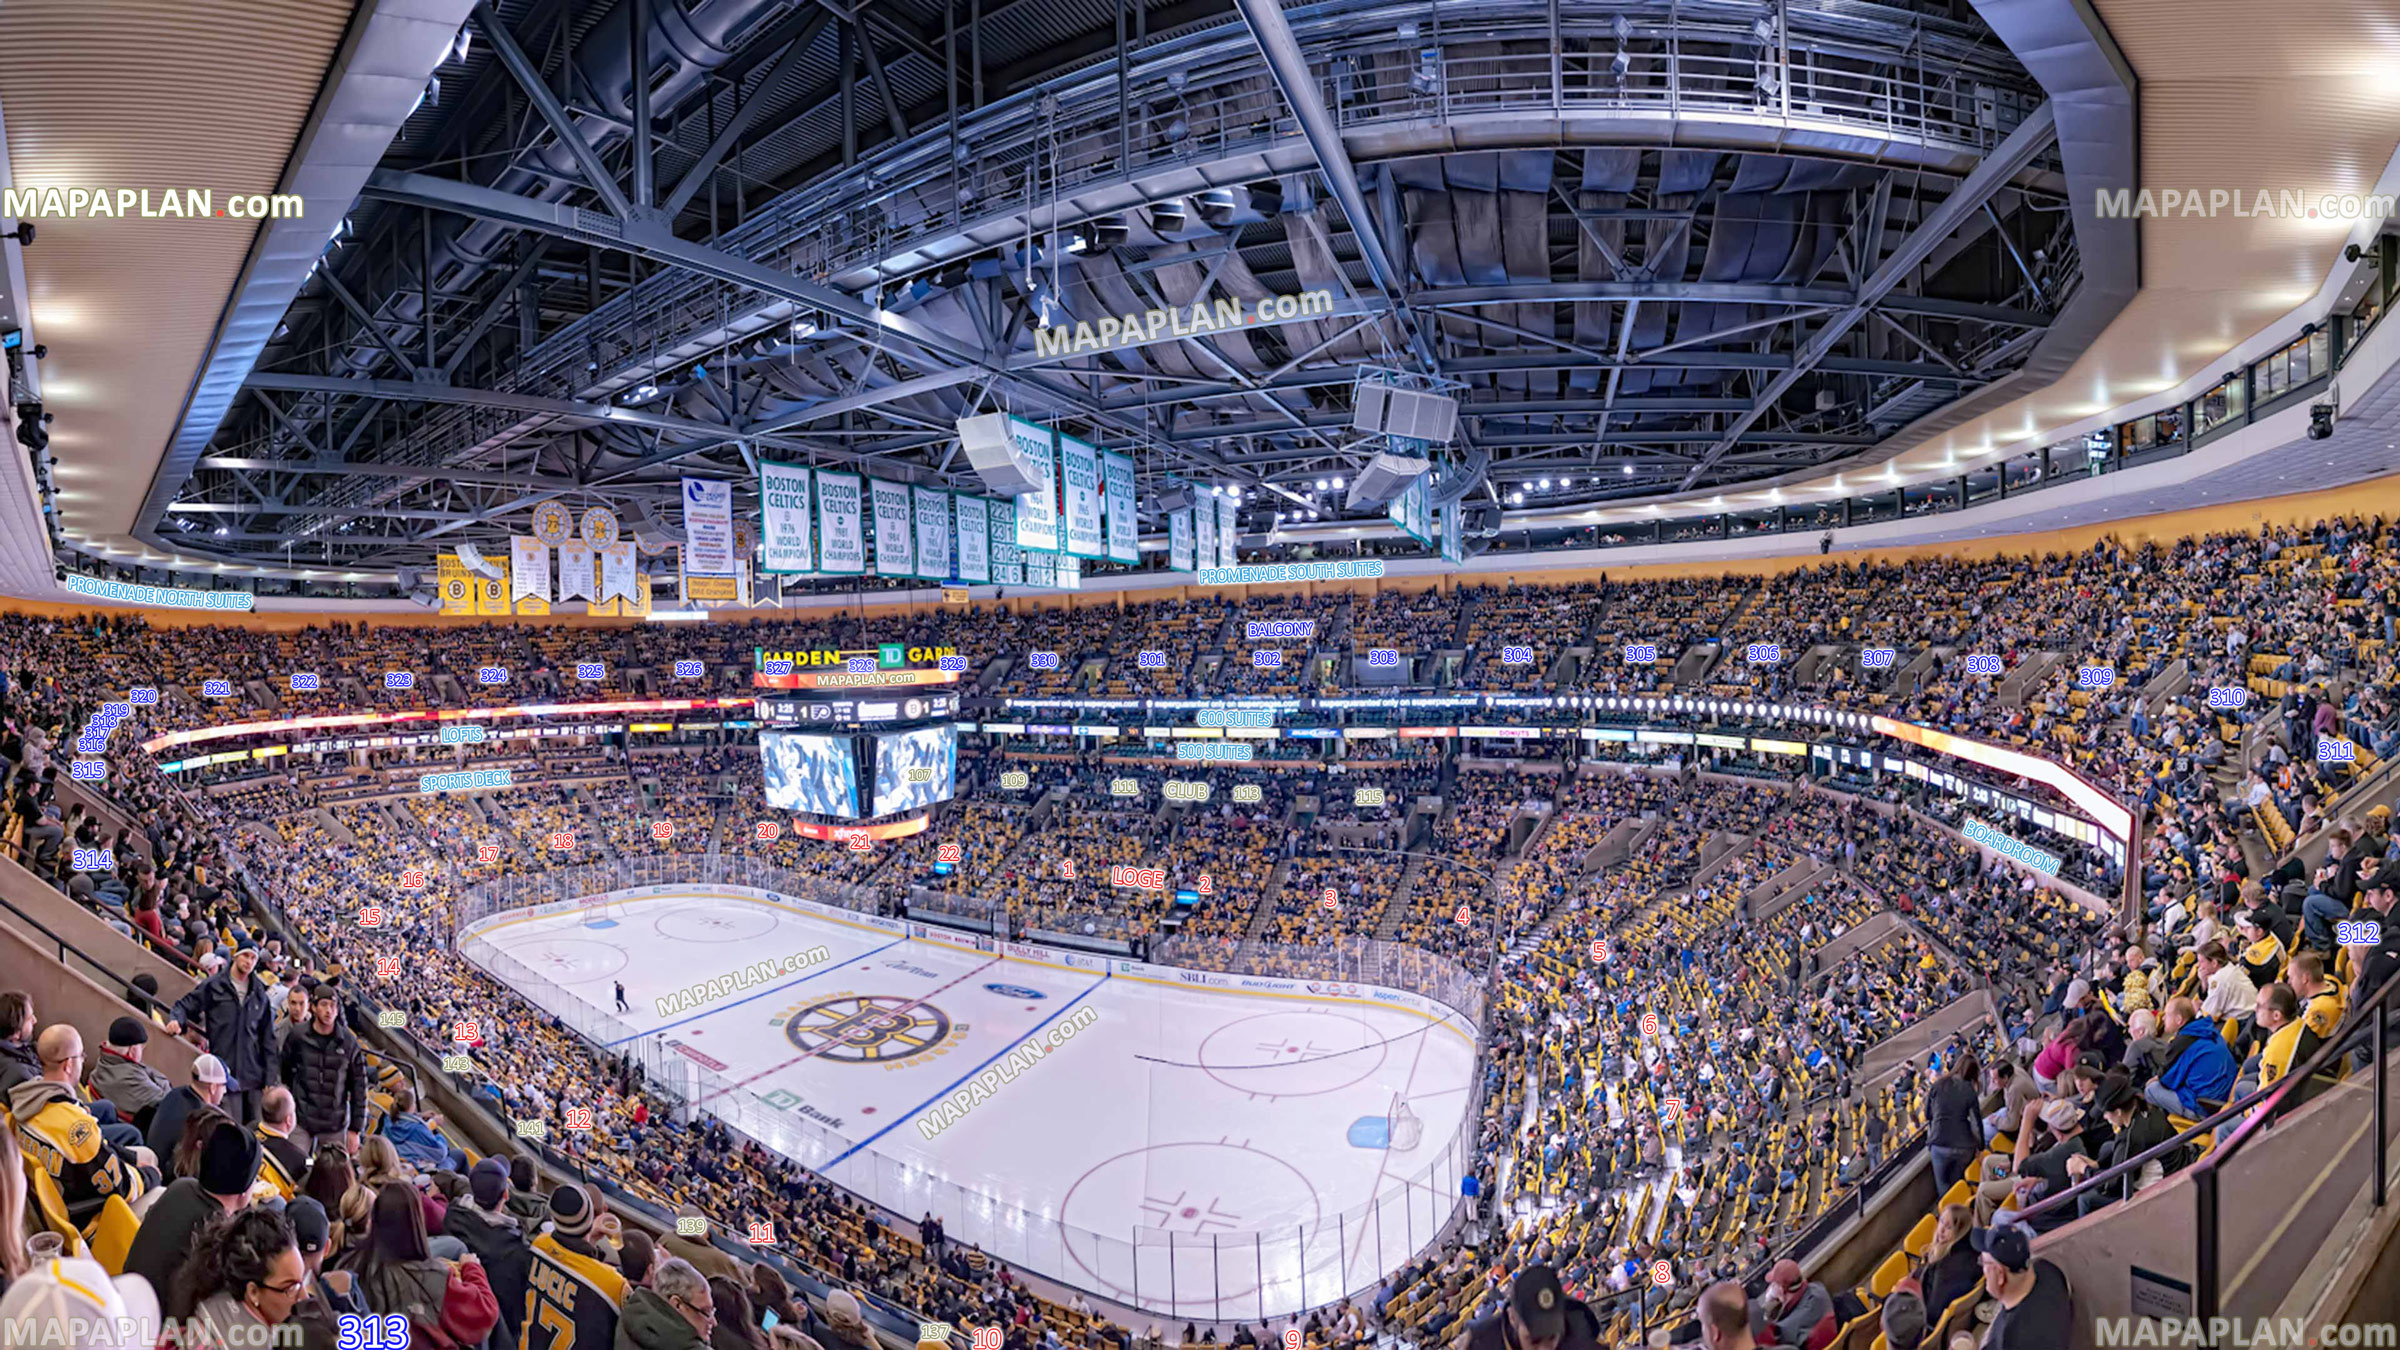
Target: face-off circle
[(566, 958), (1179, 1188), (867, 1028), (715, 924), (1292, 1053)]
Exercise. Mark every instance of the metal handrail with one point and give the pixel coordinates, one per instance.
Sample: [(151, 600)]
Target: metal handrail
[(2367, 1022)]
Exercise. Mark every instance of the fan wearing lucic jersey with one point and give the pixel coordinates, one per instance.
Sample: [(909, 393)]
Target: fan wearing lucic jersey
[(572, 1296)]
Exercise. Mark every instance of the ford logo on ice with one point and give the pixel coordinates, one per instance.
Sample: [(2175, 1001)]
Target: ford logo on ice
[(1015, 991)]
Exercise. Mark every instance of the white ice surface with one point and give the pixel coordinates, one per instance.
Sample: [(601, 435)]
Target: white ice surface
[(1206, 1129)]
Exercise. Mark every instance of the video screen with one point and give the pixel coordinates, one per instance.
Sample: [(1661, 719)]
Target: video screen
[(813, 775), (915, 769)]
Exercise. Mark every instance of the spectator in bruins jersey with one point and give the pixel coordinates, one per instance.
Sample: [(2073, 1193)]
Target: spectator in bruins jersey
[(2322, 1000), (2289, 1040), (58, 1131), (577, 1295)]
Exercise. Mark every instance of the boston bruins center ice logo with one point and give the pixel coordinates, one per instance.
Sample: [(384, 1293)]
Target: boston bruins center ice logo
[(868, 1028)]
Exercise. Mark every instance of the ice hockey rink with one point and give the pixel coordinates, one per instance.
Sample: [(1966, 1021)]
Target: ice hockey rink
[(1213, 1152)]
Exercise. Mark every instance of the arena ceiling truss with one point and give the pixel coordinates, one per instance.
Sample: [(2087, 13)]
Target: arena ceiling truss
[(1661, 247)]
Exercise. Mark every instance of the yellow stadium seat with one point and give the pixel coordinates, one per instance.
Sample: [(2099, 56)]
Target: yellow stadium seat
[(112, 1234), (1888, 1275), (1914, 1244), (1959, 1193)]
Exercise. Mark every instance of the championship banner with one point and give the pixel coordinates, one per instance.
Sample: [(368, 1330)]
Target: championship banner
[(841, 533), (933, 533), (1179, 540), (1116, 498), (553, 523), (1079, 476), (1420, 517), (1204, 532), (617, 578), (599, 528), (895, 545), (1037, 511), (708, 590), (1008, 560), (707, 527), (1227, 531), (529, 575), (576, 572), (974, 540), (1454, 537), (457, 584), (783, 505), (491, 593)]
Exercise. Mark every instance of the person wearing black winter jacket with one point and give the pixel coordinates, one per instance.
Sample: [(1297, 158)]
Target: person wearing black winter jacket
[(234, 1012), (492, 1234), (2140, 1127), (327, 1073)]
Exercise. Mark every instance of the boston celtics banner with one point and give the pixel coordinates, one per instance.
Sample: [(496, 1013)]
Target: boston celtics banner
[(1204, 531), (841, 529), (1226, 531), (784, 492), (1037, 511), (1079, 483), (895, 545), (1116, 499), (1179, 540), (933, 533), (974, 540)]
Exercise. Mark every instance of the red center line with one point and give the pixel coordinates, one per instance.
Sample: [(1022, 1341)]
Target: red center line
[(831, 1041)]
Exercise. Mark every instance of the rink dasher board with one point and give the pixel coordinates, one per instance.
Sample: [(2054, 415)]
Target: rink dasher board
[(1035, 954)]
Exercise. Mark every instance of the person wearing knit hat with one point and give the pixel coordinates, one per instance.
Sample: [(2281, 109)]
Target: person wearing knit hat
[(572, 1283), (228, 1168), (490, 1232), (121, 1076), (74, 1302)]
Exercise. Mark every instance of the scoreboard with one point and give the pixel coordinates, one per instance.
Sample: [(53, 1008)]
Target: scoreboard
[(864, 709)]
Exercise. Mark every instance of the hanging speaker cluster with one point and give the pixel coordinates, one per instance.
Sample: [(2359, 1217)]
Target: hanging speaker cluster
[(1411, 414), (993, 451)]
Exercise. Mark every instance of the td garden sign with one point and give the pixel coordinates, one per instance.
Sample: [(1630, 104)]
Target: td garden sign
[(1183, 321), (889, 663)]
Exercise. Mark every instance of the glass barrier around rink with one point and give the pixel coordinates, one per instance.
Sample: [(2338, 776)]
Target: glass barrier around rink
[(1198, 1275)]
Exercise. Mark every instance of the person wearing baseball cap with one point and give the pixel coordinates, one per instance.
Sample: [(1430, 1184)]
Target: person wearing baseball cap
[(75, 1300), (1539, 1316), (1795, 1306), (207, 1088), (493, 1235), (2037, 1311)]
